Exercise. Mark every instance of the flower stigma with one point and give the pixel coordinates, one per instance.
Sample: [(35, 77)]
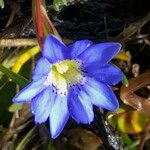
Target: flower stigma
[(65, 74)]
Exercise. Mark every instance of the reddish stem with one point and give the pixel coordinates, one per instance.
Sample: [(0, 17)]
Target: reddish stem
[(39, 22), (143, 137)]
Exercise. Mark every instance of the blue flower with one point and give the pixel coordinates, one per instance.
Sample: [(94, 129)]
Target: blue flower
[(69, 80)]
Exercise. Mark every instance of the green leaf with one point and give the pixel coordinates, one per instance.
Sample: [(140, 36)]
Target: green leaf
[(58, 3), (125, 80), (15, 107), (18, 79), (7, 92), (2, 4), (127, 140), (64, 2)]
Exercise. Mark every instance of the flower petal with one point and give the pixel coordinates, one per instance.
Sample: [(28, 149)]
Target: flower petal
[(30, 91), (101, 53), (42, 69), (77, 48), (101, 95), (53, 49), (42, 104), (80, 106), (59, 115), (108, 73)]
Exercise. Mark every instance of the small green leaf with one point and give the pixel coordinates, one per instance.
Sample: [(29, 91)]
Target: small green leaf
[(18, 79), (125, 80), (15, 107), (51, 146), (2, 4), (64, 2), (127, 140), (58, 3)]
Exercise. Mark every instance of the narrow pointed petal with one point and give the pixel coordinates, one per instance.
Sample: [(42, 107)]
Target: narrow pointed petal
[(101, 53), (30, 91), (101, 94), (42, 69), (80, 106), (42, 104), (59, 115), (53, 49), (75, 49), (108, 73)]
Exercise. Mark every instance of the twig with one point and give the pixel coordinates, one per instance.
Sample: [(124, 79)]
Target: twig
[(24, 42), (25, 140), (18, 42), (133, 28), (106, 30), (128, 96), (16, 123), (16, 9), (143, 138), (136, 142)]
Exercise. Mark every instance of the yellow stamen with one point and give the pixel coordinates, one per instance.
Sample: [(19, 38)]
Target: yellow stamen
[(65, 73)]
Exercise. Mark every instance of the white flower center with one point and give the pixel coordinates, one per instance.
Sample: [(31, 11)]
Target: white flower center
[(64, 74)]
